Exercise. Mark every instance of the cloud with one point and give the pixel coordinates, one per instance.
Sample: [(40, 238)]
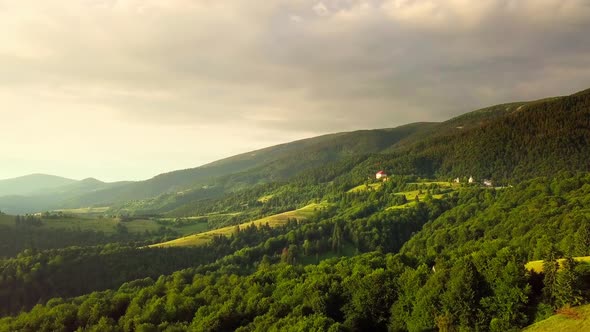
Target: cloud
[(300, 67), (320, 9)]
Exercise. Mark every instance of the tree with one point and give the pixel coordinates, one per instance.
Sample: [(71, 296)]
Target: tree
[(337, 238), (121, 229), (582, 239), (307, 247), (464, 292), (567, 291), (550, 268)]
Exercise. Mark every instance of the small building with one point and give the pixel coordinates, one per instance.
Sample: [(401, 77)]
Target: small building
[(471, 179), (381, 175), (487, 183), (457, 180)]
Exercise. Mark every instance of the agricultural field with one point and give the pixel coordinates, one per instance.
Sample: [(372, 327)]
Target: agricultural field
[(365, 187), (571, 319), (87, 223), (107, 225), (411, 198), (442, 184), (265, 199), (421, 194), (273, 221), (537, 266), (85, 211), (6, 219)]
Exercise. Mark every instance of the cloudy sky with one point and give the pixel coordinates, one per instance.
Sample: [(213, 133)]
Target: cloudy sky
[(129, 89)]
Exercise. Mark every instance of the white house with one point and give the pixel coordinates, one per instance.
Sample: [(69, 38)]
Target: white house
[(487, 183), (381, 175), (471, 179), (457, 180)]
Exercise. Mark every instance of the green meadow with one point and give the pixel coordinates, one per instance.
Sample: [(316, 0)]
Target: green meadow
[(273, 221), (537, 266), (575, 319)]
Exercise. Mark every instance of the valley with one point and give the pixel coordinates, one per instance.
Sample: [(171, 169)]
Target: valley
[(371, 230)]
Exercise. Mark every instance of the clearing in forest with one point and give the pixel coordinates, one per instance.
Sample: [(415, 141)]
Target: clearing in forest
[(273, 221), (537, 266), (570, 319)]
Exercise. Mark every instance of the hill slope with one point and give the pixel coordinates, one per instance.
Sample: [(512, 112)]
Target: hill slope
[(28, 184), (49, 198), (574, 319), (505, 143), (270, 164)]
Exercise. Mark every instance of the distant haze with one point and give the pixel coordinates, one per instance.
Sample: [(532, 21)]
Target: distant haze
[(129, 89)]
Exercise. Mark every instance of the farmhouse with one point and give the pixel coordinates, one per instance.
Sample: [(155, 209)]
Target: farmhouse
[(471, 179), (487, 183), (381, 175)]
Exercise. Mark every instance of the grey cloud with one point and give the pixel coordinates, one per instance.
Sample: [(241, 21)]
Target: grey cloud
[(338, 65)]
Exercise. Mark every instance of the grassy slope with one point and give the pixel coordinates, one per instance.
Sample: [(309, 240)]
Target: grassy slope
[(106, 225), (574, 319), (537, 266), (365, 187), (411, 195), (273, 221)]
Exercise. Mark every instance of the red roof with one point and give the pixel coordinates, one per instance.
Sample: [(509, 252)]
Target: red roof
[(381, 172)]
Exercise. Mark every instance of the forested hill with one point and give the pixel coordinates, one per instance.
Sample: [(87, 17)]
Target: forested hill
[(504, 143), (29, 184), (36, 193), (528, 140), (452, 259), (270, 164), (303, 237)]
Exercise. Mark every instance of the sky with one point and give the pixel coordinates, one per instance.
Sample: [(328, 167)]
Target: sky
[(125, 90)]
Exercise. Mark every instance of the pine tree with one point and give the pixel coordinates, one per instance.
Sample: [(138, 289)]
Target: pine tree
[(550, 268), (582, 239), (567, 291), (337, 238)]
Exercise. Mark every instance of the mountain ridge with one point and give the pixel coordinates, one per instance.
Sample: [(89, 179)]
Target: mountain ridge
[(499, 142), (29, 183)]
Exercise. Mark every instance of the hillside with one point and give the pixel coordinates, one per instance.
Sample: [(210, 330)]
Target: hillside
[(275, 163), (265, 165), (574, 319), (454, 260), (505, 143), (50, 198), (272, 221), (527, 140), (537, 265), (30, 184), (422, 254)]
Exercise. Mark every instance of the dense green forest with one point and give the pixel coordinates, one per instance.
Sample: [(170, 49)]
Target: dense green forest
[(436, 264), (418, 252)]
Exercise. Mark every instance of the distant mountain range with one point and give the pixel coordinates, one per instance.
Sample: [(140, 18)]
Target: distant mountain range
[(31, 184), (505, 143), (41, 192)]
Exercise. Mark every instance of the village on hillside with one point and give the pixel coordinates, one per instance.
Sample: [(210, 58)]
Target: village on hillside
[(384, 176)]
